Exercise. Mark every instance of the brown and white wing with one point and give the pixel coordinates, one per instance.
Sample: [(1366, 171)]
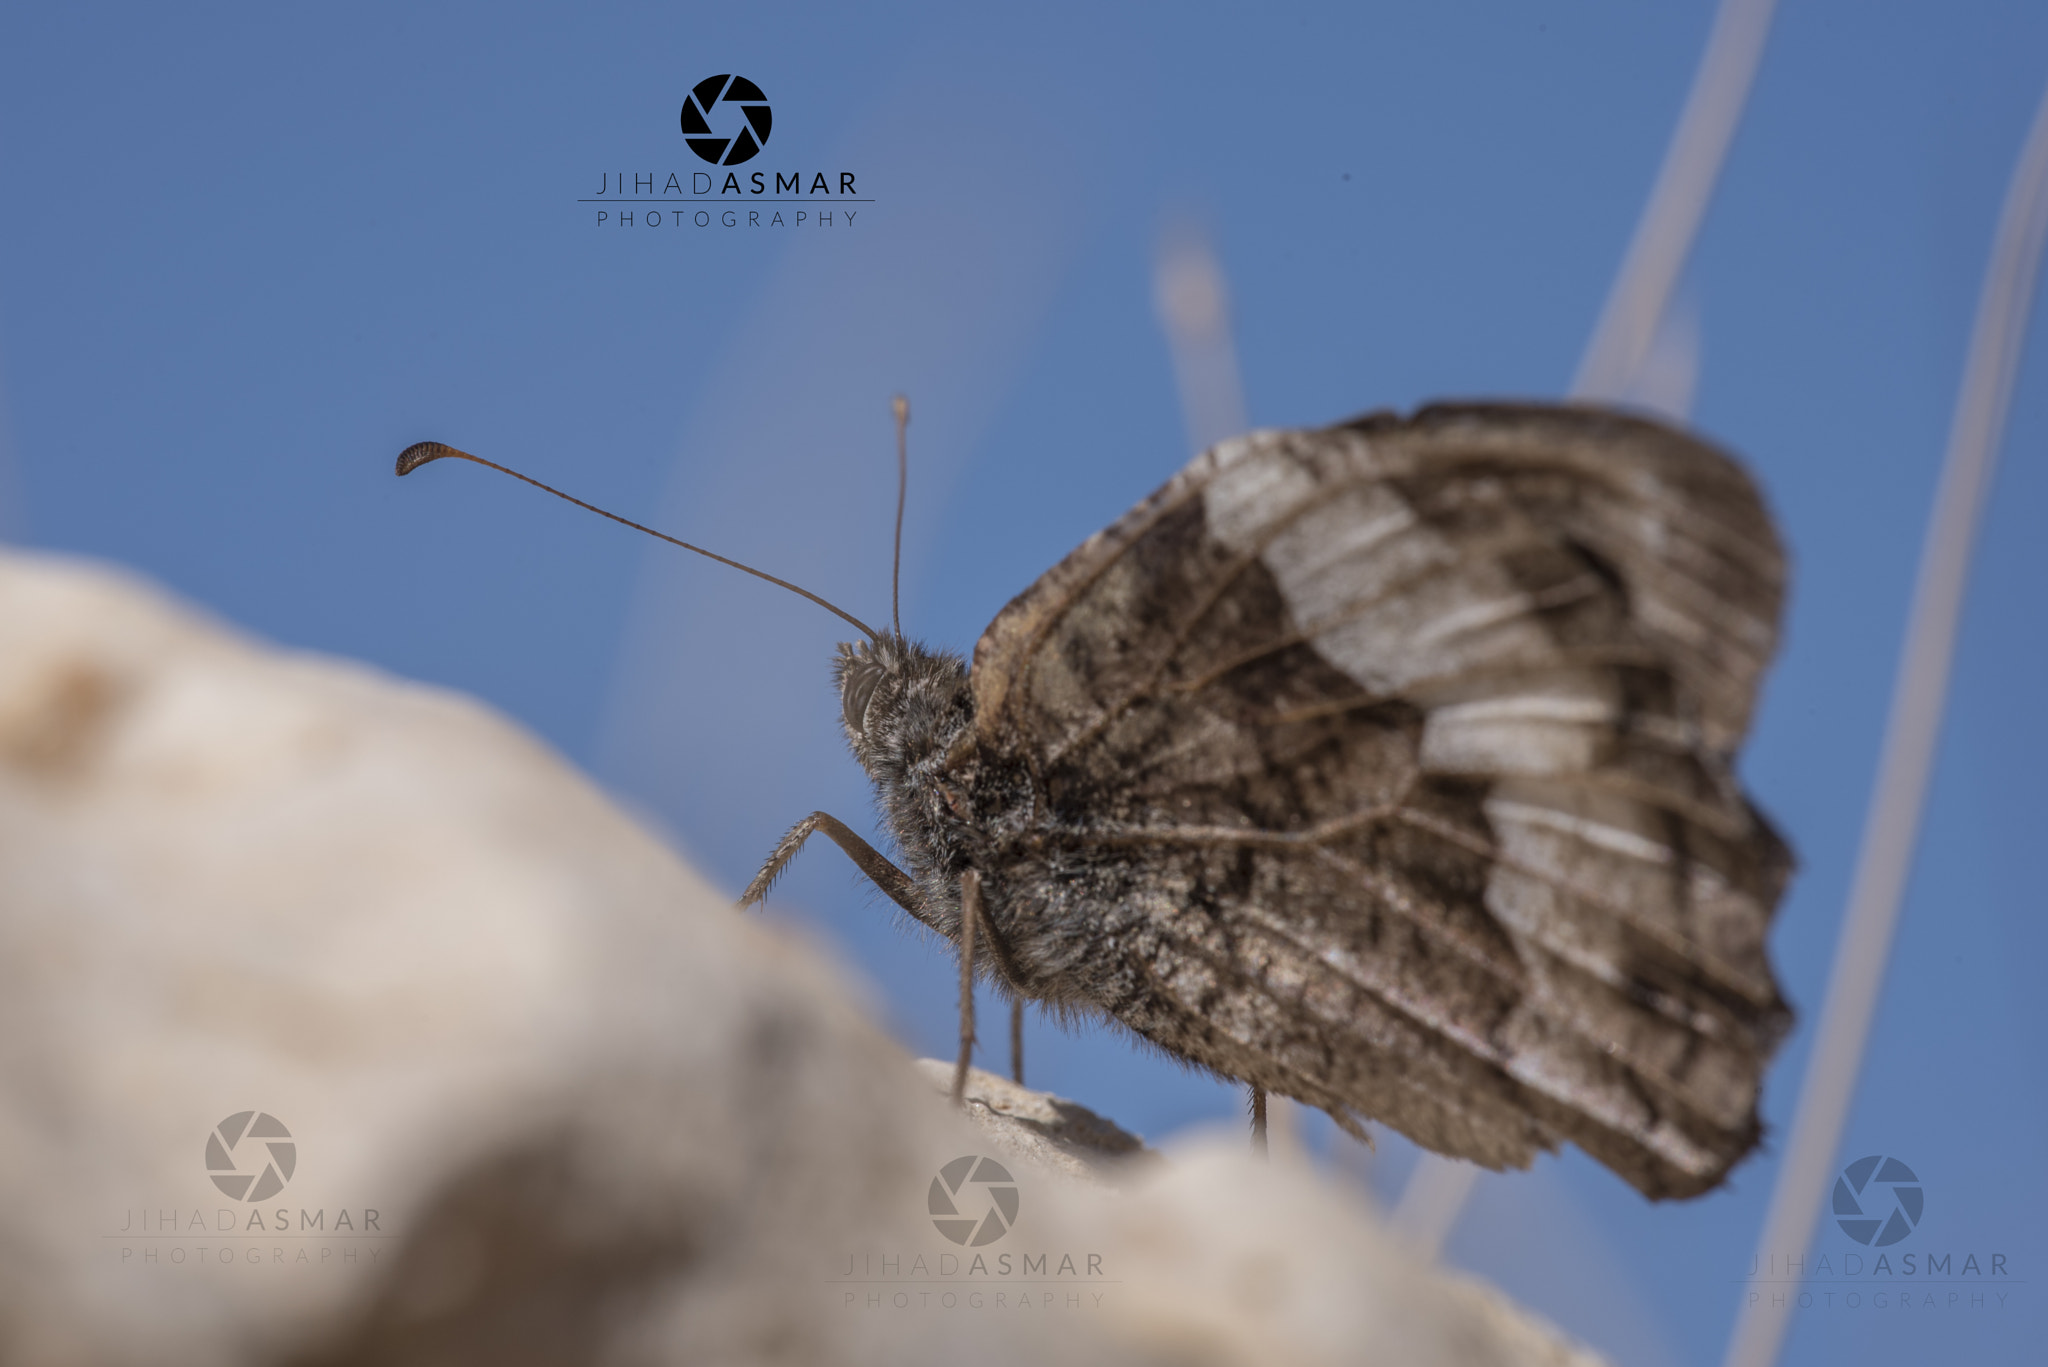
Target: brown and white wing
[(1401, 756)]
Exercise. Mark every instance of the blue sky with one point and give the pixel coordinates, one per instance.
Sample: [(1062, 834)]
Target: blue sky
[(249, 253)]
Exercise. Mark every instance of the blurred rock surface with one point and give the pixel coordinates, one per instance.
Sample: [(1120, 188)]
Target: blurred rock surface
[(564, 1102), (1046, 1131)]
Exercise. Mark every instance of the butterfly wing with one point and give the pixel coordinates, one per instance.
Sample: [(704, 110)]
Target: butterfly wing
[(1390, 768)]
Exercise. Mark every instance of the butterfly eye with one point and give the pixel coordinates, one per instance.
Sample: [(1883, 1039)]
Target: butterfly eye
[(862, 679)]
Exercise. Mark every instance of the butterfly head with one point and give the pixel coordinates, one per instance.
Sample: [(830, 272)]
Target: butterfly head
[(893, 693)]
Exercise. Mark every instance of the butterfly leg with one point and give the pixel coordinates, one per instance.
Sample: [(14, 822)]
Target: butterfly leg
[(1258, 1120), (903, 892), (970, 922), (866, 857)]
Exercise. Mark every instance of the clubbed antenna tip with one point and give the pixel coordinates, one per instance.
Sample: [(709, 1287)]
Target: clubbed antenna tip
[(420, 452)]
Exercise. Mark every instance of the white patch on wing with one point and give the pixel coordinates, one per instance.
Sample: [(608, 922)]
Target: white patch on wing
[(1596, 833), (1389, 599)]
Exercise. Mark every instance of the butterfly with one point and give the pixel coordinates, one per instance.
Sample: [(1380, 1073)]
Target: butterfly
[(1388, 767)]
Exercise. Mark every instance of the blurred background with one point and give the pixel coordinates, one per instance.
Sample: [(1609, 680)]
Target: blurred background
[(247, 254)]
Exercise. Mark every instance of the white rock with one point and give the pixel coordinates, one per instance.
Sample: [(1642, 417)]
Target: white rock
[(1043, 1131), (597, 1113)]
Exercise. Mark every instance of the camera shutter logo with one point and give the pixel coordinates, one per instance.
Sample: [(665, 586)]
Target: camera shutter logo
[(733, 90), (268, 1156), (1878, 1200), (974, 1201)]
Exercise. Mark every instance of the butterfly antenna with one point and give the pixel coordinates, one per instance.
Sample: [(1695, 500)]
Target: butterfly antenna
[(418, 454), (901, 405)]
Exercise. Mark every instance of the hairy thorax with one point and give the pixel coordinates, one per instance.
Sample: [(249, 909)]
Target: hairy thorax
[(906, 707), (909, 716)]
